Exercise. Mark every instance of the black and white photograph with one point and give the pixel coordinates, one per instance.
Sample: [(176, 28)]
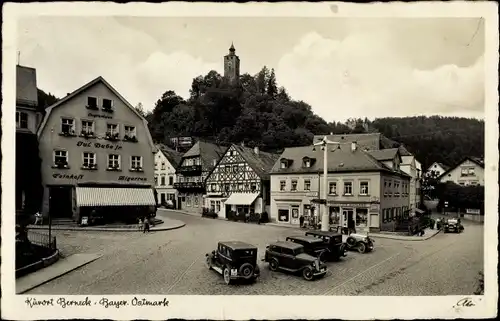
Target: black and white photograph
[(250, 161)]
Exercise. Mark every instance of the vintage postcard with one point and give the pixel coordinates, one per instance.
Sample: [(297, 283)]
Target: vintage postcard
[(249, 161)]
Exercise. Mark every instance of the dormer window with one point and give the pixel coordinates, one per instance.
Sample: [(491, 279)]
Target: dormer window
[(307, 162), (92, 102), (285, 163)]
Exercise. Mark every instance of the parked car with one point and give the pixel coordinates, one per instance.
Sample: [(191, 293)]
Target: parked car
[(360, 243), (291, 257), (169, 204), (312, 246), (234, 260), (453, 225), (333, 242)]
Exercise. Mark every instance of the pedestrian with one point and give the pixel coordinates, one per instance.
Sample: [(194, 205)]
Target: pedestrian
[(301, 220), (146, 225), (38, 218)]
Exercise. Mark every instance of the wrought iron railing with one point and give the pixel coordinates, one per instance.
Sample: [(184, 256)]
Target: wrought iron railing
[(42, 239)]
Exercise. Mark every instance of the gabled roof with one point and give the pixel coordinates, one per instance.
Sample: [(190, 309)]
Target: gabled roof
[(370, 141), (261, 163), (339, 160), (477, 160), (208, 153), (26, 91), (82, 89), (172, 156), (443, 166), (384, 154)]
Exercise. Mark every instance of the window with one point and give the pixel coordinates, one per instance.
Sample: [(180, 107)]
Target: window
[(162, 180), (361, 217), (294, 185), (21, 119), (253, 187), (112, 131), (163, 166), (363, 188), (113, 161), (68, 126), (156, 180), (136, 162), (212, 206), (60, 158), (92, 102), (385, 188), (283, 215), (227, 187), (235, 168), (217, 206), (473, 183), (240, 187), (396, 188), (156, 165), (130, 133), (282, 185), (87, 127), (170, 180), (89, 160), (307, 162), (283, 164), (307, 185), (107, 104), (332, 188), (347, 188), (188, 201), (196, 201)]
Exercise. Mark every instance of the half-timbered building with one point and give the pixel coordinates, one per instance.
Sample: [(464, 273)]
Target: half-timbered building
[(240, 182), (194, 168)]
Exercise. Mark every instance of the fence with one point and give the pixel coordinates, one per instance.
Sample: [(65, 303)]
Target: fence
[(42, 239)]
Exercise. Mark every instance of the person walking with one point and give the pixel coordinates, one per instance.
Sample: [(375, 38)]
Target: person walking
[(301, 220), (146, 225), (38, 218)]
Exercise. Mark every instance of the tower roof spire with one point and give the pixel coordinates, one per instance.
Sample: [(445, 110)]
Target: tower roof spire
[(231, 49)]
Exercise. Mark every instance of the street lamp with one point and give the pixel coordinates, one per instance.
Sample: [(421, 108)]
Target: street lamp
[(325, 218)]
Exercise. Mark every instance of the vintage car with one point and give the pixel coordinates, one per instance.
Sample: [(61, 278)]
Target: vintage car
[(291, 257), (335, 248), (360, 243), (234, 260), (453, 225), (312, 246)]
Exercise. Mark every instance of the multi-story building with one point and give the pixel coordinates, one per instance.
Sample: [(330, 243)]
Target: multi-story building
[(411, 166), (97, 153), (28, 118), (166, 162), (192, 172), (469, 171), (369, 193), (240, 182)]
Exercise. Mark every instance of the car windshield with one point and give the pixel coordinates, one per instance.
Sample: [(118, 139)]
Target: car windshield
[(298, 251), (245, 253)]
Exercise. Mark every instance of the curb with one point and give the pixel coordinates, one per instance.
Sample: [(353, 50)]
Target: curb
[(42, 263), (103, 229), (59, 275), (382, 236)]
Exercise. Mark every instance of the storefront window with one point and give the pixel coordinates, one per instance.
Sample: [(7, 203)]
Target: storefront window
[(295, 212), (217, 206), (361, 217), (334, 215), (283, 215), (188, 201), (307, 210), (196, 201), (212, 205)]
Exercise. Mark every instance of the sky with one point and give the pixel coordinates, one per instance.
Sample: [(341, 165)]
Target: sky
[(342, 67)]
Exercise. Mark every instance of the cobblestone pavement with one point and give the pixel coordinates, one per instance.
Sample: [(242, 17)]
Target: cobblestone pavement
[(171, 262)]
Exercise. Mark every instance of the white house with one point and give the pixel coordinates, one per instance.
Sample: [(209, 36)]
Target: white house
[(412, 167), (166, 162), (436, 169), (470, 171)]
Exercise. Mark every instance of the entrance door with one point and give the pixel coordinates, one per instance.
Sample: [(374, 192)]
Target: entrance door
[(60, 202), (179, 203), (162, 198), (349, 220), (228, 210)]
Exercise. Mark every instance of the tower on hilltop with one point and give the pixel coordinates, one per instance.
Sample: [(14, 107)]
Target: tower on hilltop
[(232, 66)]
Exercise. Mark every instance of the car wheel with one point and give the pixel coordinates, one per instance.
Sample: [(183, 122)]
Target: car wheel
[(246, 270), (351, 242), (308, 274), (361, 247), (208, 262), (273, 265), (227, 275)]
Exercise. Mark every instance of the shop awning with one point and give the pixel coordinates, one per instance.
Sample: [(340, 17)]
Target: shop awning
[(99, 196), (241, 199), (419, 211)]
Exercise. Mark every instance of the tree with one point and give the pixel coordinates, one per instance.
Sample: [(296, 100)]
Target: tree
[(140, 109), (272, 87)]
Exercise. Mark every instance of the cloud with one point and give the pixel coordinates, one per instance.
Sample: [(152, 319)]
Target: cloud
[(367, 75)]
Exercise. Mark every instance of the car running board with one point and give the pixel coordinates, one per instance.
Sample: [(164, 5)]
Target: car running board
[(218, 269)]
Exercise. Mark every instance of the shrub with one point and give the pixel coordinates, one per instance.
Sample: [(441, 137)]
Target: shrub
[(208, 213), (264, 217), (254, 218)]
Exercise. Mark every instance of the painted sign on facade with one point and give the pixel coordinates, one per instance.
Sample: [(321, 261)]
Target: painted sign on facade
[(129, 179), (99, 116), (99, 145), (67, 176)]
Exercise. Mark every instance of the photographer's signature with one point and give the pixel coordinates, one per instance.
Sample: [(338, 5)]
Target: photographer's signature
[(465, 302)]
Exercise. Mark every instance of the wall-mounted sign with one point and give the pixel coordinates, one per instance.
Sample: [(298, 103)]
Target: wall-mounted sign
[(99, 116), (129, 178), (99, 145), (67, 176), (349, 204), (374, 207)]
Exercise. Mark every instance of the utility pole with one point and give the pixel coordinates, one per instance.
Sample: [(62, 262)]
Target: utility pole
[(18, 58)]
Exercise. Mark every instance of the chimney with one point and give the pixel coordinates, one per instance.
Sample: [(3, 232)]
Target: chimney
[(354, 146), (256, 150)]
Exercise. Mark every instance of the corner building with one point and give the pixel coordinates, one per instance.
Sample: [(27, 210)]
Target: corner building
[(97, 153)]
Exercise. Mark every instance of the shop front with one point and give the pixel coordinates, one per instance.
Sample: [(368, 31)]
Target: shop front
[(351, 217), (243, 204)]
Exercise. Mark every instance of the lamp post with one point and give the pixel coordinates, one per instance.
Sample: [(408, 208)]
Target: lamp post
[(325, 218)]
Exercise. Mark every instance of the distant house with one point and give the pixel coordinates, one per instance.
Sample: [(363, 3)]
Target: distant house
[(469, 171), (367, 141), (240, 182), (436, 169), (194, 168), (27, 117), (166, 162), (361, 189)]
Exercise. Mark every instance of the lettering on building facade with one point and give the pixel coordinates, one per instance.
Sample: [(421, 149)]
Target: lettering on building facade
[(129, 179), (99, 116), (67, 176), (98, 145)]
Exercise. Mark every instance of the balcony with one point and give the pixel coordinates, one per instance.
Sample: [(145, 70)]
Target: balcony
[(189, 186), (191, 170)]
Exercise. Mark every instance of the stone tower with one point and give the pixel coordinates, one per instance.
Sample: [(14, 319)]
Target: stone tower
[(232, 66)]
